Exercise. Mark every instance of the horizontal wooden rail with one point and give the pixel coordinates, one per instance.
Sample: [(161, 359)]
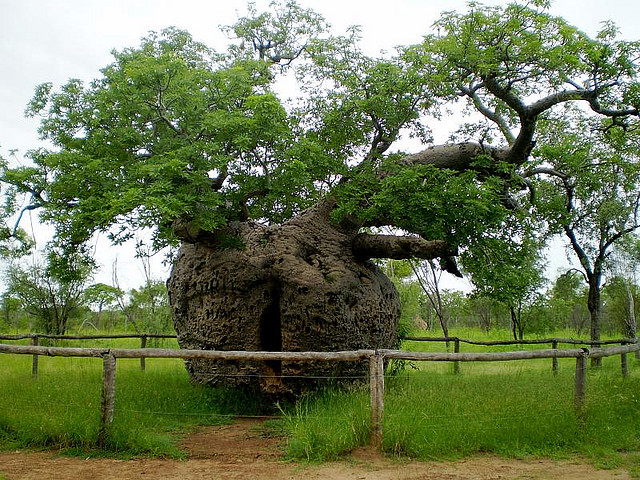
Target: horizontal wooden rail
[(347, 356), (85, 337), (482, 357), (535, 341), (612, 351)]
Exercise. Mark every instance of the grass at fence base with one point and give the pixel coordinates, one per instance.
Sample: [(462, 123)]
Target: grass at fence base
[(434, 415), (61, 408), (326, 425)]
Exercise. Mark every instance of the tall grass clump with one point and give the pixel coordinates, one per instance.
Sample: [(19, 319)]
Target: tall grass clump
[(613, 412), (326, 424)]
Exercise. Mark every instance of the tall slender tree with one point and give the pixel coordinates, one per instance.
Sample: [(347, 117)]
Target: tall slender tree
[(588, 189)]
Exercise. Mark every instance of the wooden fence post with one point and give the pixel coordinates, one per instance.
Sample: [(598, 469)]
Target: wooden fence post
[(108, 397), (35, 341), (580, 385), (554, 345), (143, 344), (456, 349), (623, 362), (376, 383)]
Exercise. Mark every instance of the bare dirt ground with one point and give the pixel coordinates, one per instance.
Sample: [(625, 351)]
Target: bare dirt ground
[(243, 451)]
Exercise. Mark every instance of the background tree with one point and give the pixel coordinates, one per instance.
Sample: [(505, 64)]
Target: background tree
[(100, 296), (273, 202), (409, 294), (53, 293), (512, 275), (12, 314), (591, 191), (428, 276), (485, 312), (458, 307), (150, 306), (626, 266), (619, 306), (567, 301)]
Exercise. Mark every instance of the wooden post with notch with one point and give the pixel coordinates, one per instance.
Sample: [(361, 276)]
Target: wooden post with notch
[(623, 361), (580, 385), (108, 397), (554, 345), (35, 341), (376, 379), (456, 349), (143, 344)]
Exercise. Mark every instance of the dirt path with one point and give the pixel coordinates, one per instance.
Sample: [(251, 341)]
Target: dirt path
[(243, 451)]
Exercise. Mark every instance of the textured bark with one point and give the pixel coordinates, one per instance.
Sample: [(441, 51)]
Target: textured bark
[(293, 287)]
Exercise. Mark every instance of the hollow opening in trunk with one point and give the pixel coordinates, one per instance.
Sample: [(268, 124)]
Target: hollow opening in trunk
[(271, 331)]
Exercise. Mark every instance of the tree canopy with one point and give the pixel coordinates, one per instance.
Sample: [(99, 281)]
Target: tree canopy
[(184, 140)]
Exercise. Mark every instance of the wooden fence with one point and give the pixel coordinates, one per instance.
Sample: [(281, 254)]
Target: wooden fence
[(554, 342), (376, 360), (35, 341)]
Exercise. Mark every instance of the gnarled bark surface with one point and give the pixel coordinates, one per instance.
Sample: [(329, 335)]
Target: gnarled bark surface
[(299, 286)]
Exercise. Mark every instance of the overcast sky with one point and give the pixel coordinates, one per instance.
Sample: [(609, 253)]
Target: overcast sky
[(54, 40)]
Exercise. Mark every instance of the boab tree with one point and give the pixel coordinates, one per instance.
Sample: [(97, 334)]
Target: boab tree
[(276, 205)]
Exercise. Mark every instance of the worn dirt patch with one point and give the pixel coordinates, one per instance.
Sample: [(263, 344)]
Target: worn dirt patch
[(246, 450)]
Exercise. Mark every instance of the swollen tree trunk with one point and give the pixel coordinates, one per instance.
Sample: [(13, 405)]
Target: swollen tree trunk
[(299, 286)]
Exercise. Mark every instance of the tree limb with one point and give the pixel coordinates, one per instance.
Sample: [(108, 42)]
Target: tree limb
[(458, 156), (400, 247), (488, 113)]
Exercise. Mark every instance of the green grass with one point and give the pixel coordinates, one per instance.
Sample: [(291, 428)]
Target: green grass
[(61, 407), (514, 409)]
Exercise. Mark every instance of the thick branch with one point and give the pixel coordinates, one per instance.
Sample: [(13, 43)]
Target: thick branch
[(400, 248), (552, 100), (458, 156)]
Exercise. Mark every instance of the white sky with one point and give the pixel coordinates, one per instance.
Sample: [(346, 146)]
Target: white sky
[(54, 40)]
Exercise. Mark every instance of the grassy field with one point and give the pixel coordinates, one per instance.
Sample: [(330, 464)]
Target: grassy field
[(507, 408)]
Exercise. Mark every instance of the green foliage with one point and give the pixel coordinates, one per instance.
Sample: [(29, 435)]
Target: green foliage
[(592, 189), (509, 272), (279, 36), (524, 48), (51, 293), (146, 143), (173, 133), (150, 306), (458, 206), (622, 305)]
